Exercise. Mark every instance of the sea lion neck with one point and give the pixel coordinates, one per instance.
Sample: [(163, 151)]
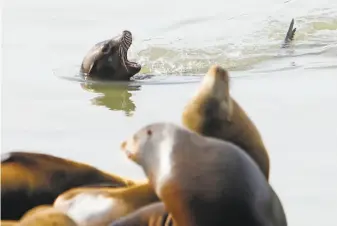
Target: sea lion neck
[(156, 160)]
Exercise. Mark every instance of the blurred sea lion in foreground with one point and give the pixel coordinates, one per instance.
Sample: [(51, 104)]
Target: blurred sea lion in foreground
[(151, 215), (107, 60), (32, 179), (100, 205), (203, 181), (45, 215)]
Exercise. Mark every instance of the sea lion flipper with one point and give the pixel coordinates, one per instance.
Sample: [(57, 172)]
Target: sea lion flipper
[(290, 34), (291, 31)]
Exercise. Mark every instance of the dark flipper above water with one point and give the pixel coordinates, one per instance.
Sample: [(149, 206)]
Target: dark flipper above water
[(290, 34)]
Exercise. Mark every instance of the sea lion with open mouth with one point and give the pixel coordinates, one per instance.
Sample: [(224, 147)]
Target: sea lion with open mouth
[(107, 60)]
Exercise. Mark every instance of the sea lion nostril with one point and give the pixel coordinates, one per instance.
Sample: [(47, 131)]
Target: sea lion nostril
[(126, 32)]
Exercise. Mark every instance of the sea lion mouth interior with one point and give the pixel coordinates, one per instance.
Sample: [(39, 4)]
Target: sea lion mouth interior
[(125, 43)]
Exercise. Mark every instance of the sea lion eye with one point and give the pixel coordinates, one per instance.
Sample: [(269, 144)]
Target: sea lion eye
[(149, 132), (105, 48)]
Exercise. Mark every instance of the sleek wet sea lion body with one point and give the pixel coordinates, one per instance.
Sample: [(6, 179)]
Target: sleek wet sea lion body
[(45, 215), (203, 181), (32, 179), (107, 60), (100, 205), (151, 215), (214, 113)]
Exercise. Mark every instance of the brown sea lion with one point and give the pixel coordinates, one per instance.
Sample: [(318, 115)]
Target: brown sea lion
[(101, 205), (214, 113), (107, 60), (204, 181), (151, 215), (45, 215), (32, 179)]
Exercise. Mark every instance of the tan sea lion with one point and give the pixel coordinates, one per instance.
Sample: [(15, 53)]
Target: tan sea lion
[(32, 179), (100, 206), (214, 113), (107, 60), (151, 215), (45, 215), (204, 181)]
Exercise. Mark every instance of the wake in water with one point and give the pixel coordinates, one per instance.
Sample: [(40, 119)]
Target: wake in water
[(316, 35)]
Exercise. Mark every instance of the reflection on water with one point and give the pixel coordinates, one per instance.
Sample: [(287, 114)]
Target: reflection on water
[(114, 96)]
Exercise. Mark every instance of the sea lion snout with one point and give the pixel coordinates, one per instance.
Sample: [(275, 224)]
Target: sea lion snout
[(128, 147), (218, 71)]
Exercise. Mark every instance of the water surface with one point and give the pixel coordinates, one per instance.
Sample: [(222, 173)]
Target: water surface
[(291, 94)]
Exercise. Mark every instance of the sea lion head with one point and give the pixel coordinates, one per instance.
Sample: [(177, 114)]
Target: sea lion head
[(145, 142), (215, 83), (108, 59)]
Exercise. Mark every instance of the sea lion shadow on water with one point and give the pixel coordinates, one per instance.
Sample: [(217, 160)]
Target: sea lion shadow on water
[(116, 95)]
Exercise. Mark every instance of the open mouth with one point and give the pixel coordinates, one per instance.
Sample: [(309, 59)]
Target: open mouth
[(126, 41)]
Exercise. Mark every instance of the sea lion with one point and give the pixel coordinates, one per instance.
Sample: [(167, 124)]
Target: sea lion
[(214, 113), (31, 179), (107, 60), (101, 205), (45, 215), (203, 180), (151, 215)]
